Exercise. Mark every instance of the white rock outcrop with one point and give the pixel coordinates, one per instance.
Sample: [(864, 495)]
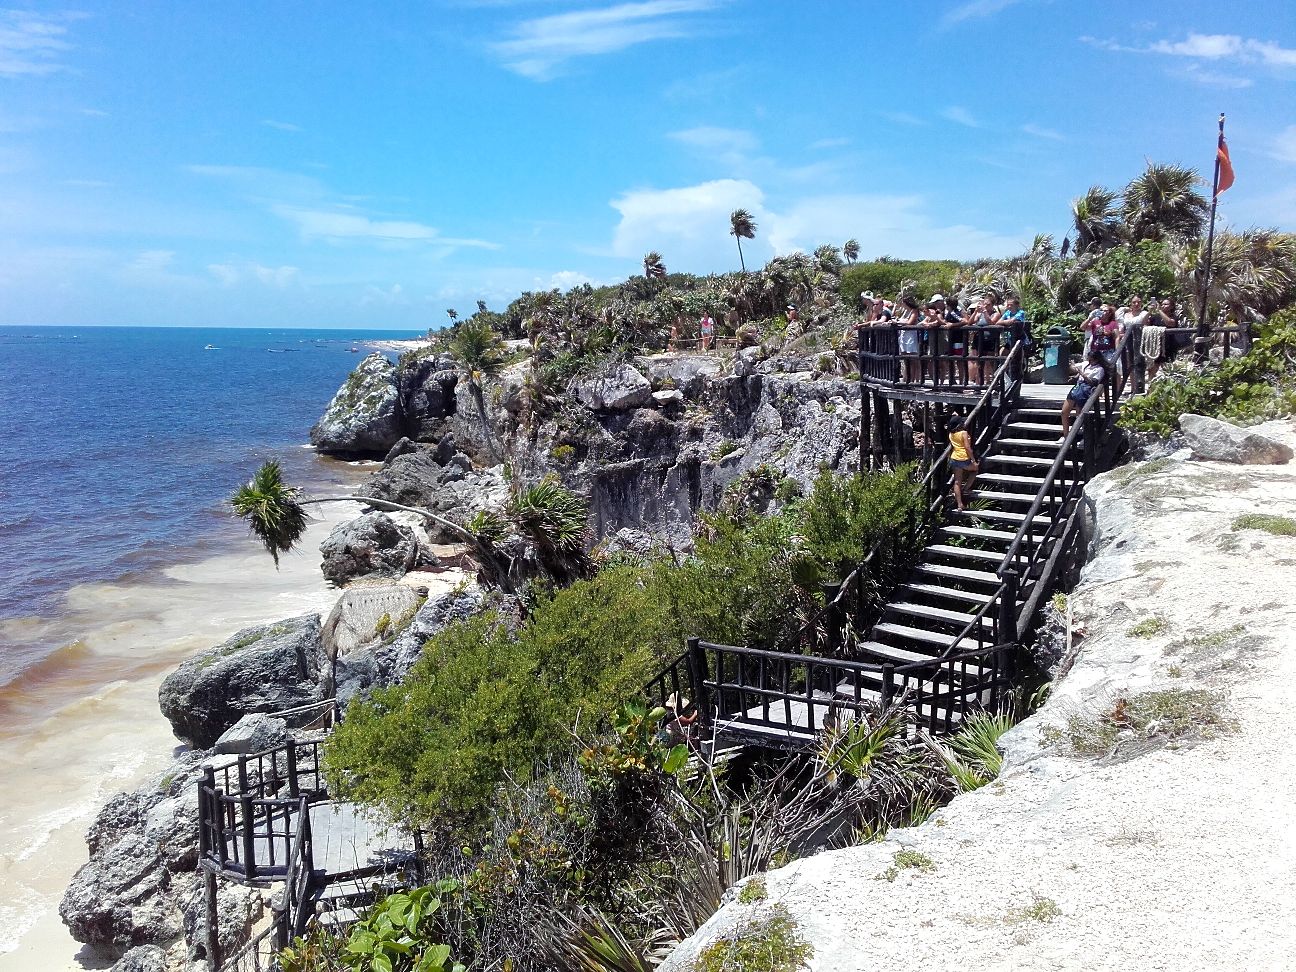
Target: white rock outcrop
[(1178, 859), (1212, 439)]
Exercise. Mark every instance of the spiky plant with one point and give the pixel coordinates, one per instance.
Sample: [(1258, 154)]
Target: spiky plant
[(1096, 219), (972, 754), (1163, 203), (653, 266), (552, 517), (851, 250), (272, 510), (742, 227)]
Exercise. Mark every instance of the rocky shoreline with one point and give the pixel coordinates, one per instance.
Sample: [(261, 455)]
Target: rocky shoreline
[(651, 442)]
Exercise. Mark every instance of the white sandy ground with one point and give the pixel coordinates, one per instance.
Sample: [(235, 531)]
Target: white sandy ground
[(95, 739), (1179, 859), (414, 344)]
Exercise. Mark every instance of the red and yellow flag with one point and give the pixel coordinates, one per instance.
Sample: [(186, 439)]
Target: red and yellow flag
[(1225, 167)]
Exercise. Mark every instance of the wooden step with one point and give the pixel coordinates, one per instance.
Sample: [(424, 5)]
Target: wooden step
[(1018, 498), (1002, 516), (972, 553), (937, 639), (1039, 428), (1034, 414), (944, 593), (1032, 483), (959, 573), (938, 614), (1050, 443), (981, 533), (1033, 462)]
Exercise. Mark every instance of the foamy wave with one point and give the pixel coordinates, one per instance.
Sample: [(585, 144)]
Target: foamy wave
[(15, 921)]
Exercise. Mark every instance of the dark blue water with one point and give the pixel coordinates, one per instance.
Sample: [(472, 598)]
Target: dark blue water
[(119, 446)]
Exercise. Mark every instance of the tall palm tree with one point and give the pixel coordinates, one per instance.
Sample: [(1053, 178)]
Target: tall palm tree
[(1096, 219), (452, 314), (1163, 203), (479, 351), (742, 227), (850, 250), (653, 266)]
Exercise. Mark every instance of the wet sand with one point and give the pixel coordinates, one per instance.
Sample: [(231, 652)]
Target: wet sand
[(85, 724)]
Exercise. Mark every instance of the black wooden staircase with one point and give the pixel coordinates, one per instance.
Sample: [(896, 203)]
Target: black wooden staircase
[(946, 642)]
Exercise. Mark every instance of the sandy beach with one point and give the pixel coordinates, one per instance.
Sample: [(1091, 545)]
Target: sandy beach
[(399, 346), (87, 724)]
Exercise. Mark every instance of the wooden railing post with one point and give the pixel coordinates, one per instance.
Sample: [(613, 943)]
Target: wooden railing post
[(697, 669), (1090, 444), (294, 789), (887, 676), (1007, 621), (249, 828)]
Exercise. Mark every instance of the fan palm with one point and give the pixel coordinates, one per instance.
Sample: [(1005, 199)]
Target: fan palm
[(653, 266), (479, 351), (1163, 203), (272, 510), (742, 227), (851, 250), (1096, 220), (1253, 273)]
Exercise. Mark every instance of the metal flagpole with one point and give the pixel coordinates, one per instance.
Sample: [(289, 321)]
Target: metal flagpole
[(1201, 342)]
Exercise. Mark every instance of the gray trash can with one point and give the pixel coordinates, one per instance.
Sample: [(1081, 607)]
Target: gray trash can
[(1057, 356)]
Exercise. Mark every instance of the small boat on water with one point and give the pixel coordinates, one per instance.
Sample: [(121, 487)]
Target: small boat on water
[(211, 347), (354, 350)]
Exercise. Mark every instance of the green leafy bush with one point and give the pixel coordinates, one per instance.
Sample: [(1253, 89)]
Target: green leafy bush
[(1256, 386), (395, 936), (1139, 270), (885, 277)]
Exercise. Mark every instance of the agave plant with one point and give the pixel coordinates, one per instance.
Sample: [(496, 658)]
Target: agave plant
[(272, 509), (742, 227)]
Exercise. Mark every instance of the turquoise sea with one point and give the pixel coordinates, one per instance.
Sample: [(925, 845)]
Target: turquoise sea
[(119, 446)]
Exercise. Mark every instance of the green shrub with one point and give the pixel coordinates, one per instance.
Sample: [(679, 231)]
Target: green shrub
[(1140, 270), (1258, 385), (1279, 526), (382, 624), (563, 454), (885, 277), (769, 944)]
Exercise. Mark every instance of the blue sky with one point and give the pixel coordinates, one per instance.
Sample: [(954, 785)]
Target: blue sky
[(370, 164)]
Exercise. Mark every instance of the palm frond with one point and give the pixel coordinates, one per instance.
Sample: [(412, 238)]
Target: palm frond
[(551, 516), (270, 507)]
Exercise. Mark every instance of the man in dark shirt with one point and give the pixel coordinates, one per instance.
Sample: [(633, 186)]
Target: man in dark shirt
[(954, 338)]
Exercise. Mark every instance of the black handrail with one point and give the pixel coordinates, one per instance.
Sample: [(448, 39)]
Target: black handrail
[(882, 362), (1109, 395)]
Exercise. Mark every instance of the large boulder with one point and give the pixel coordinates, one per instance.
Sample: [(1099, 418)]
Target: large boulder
[(444, 484), (427, 382), (389, 660), (365, 416), (143, 864), (254, 733), (142, 958), (688, 373), (1212, 439), (619, 389), (267, 668), (367, 614), (372, 545)]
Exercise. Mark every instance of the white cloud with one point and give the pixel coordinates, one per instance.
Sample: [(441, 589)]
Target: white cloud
[(334, 226), (93, 112), (1284, 145), (393, 296), (975, 10), (708, 138), (539, 47), (689, 226), (31, 44), (961, 116), (567, 279), (829, 143), (1211, 47), (280, 125), (152, 261), (231, 274), (902, 118), (1041, 132)]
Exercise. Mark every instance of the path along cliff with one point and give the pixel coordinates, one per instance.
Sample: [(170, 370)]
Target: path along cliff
[(1144, 815)]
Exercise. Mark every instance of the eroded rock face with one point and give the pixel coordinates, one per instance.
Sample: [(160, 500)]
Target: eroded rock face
[(372, 545), (365, 415), (388, 662), (619, 389), (367, 614), (426, 383), (446, 485), (254, 733), (266, 668), (142, 958), (1212, 439)]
